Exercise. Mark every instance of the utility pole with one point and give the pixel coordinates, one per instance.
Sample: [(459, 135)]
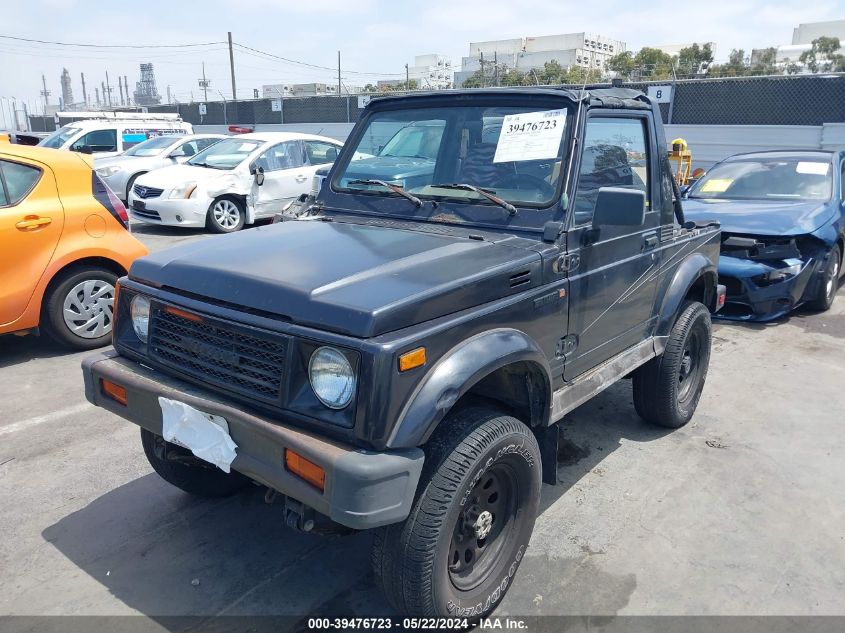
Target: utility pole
[(168, 93), (97, 95), (204, 84), (120, 88), (232, 66), (338, 73), (481, 61), (84, 93), (45, 93), (407, 78), (126, 87)]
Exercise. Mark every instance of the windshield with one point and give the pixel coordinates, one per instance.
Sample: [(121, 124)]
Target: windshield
[(227, 154), (513, 153), (152, 147), (766, 179), (58, 138)]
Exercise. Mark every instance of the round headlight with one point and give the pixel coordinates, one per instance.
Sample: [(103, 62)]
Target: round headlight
[(140, 310), (332, 378)]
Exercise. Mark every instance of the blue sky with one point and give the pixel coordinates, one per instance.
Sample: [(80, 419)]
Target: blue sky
[(375, 36)]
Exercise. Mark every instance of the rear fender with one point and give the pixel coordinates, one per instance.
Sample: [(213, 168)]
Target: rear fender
[(457, 372)]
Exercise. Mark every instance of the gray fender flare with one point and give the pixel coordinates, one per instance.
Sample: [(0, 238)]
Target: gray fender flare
[(689, 271), (456, 373)]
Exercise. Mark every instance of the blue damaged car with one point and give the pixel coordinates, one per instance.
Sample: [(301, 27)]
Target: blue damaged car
[(783, 229)]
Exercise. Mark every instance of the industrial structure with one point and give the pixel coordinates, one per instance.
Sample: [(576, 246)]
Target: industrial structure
[(67, 91), (146, 92), (585, 50)]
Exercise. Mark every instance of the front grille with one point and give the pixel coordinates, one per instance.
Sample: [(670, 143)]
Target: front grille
[(147, 213), (146, 192), (246, 363)]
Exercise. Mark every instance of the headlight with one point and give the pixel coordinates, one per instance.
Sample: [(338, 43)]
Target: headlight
[(105, 172), (782, 274), (332, 378), (140, 310), (183, 191)]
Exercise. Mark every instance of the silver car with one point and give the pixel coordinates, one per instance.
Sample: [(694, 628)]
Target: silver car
[(119, 172)]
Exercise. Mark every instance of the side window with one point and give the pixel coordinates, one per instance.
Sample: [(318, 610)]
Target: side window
[(615, 155), (18, 181), (320, 153), (98, 141), (842, 182), (202, 143), (667, 210), (188, 149), (282, 156)]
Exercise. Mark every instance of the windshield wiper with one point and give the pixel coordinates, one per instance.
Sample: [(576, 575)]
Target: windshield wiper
[(387, 185), (482, 192)]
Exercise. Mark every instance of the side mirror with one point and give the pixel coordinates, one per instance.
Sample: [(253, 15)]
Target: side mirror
[(259, 175), (87, 149), (617, 206)]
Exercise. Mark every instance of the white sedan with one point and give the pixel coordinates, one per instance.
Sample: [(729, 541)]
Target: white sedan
[(233, 182)]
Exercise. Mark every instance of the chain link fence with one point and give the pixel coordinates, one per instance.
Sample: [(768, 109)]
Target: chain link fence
[(774, 100)]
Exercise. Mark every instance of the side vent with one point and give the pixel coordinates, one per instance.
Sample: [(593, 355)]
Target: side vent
[(521, 278)]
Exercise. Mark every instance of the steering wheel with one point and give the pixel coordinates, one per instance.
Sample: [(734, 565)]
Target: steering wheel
[(523, 182)]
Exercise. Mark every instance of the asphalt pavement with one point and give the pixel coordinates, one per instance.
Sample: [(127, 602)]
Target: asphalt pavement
[(739, 513)]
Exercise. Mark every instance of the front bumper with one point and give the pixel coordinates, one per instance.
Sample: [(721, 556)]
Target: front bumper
[(189, 212), (363, 489), (750, 300)]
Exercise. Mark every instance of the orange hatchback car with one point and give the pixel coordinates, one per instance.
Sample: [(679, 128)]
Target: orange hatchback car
[(64, 241)]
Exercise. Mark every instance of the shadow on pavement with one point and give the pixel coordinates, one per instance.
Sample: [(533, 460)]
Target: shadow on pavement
[(164, 553), (19, 349)]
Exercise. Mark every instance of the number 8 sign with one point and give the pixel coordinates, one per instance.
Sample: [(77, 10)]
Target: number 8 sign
[(660, 94)]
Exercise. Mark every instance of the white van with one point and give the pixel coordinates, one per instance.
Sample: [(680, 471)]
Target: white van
[(109, 136)]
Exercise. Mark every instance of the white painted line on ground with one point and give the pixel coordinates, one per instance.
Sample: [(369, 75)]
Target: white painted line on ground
[(49, 417)]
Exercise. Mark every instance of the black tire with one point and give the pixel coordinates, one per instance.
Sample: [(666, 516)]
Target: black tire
[(94, 307), (825, 291), (131, 184), (667, 388), (458, 551), (218, 225), (200, 480)]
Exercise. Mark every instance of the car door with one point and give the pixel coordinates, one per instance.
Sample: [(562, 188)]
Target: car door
[(31, 219), (286, 175), (103, 143), (613, 284)]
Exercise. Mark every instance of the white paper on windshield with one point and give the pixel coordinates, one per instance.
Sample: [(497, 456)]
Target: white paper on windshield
[(246, 147), (530, 136), (816, 168)]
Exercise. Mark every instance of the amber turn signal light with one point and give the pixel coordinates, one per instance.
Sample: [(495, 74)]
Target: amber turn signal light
[(190, 316), (414, 358), (307, 470), (113, 391)]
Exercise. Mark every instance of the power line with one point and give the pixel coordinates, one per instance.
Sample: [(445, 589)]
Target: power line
[(309, 65), (26, 39)]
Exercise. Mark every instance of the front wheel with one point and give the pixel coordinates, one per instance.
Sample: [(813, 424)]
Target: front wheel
[(829, 283), (226, 215), (458, 551), (667, 388)]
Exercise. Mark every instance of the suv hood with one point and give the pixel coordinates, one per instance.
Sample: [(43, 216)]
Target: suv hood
[(347, 278), (389, 167), (761, 217)]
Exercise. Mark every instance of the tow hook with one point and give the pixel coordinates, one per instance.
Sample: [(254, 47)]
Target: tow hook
[(298, 516)]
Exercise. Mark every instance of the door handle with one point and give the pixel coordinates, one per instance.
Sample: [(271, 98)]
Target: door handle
[(301, 178), (650, 241), (32, 222)]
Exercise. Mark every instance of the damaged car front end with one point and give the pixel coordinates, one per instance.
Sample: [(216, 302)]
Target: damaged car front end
[(782, 229)]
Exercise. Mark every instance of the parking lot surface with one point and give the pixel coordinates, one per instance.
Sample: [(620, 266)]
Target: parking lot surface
[(740, 512)]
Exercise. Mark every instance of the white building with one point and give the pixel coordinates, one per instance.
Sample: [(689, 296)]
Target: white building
[(585, 50), (806, 33), (432, 71)]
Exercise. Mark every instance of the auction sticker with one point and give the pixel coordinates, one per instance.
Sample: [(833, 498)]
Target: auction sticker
[(530, 136)]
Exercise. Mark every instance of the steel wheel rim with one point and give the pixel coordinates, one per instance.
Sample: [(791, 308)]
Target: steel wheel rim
[(87, 309), (483, 527), (226, 214), (688, 372)]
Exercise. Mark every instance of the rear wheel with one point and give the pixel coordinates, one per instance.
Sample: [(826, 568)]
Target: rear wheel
[(826, 291), (667, 388), (178, 466), (78, 308), (458, 551), (226, 215)]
